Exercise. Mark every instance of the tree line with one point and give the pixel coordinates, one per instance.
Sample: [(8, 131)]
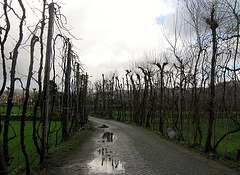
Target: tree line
[(191, 86), (65, 100)]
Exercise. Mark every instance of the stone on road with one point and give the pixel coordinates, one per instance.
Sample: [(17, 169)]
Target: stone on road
[(121, 148)]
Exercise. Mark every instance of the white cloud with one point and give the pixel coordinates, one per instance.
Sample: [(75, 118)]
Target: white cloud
[(114, 30)]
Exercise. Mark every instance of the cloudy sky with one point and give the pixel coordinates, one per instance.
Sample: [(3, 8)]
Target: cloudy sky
[(112, 33)]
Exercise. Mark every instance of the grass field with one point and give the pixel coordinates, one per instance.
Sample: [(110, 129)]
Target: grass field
[(228, 149), (17, 112), (15, 152), (225, 149), (15, 147)]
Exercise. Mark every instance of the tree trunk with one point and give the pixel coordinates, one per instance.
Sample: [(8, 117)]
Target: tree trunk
[(161, 95), (111, 100), (24, 110), (3, 166), (213, 25), (46, 82), (35, 140), (134, 96), (151, 102), (66, 95), (12, 85), (103, 111), (77, 98), (85, 99), (180, 106), (144, 98), (2, 44)]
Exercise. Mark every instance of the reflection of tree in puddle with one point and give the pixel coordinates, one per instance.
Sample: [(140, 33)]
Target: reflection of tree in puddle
[(105, 163), (109, 136)]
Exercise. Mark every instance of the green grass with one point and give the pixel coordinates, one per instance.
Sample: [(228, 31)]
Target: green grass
[(18, 163), (15, 147), (219, 130), (60, 154), (17, 112)]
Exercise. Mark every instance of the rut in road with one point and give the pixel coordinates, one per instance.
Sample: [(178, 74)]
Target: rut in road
[(121, 148)]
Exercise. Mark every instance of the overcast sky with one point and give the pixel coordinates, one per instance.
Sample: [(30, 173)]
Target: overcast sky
[(113, 33)]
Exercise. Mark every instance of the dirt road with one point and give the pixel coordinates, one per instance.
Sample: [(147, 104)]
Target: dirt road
[(118, 148)]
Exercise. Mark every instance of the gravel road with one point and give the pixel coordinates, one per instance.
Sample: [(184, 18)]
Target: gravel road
[(118, 148)]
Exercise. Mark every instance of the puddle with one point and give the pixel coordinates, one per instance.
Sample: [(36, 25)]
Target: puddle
[(109, 136), (106, 163)]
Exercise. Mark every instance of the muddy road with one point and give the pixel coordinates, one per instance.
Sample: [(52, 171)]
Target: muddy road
[(118, 148)]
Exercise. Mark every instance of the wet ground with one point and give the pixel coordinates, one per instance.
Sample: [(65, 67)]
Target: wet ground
[(118, 148)]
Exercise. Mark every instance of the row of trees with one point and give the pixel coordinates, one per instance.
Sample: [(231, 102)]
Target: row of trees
[(65, 99), (188, 87)]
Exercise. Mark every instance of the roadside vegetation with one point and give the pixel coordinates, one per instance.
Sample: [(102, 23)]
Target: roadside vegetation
[(47, 104), (60, 154), (17, 158)]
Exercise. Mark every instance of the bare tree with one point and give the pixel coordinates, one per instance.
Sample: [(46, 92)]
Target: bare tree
[(2, 44), (161, 67), (77, 97), (144, 97), (39, 81), (24, 110), (129, 95), (66, 95), (213, 24), (3, 167), (12, 84)]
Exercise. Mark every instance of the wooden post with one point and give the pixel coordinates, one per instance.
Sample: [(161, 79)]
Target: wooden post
[(46, 81)]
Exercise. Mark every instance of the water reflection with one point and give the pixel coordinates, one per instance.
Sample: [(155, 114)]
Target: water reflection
[(109, 136), (106, 163)]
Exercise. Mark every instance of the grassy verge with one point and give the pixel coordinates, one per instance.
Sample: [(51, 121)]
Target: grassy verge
[(18, 161), (58, 156), (17, 165)]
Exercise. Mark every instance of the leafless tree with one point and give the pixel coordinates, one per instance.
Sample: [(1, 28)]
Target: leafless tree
[(161, 67), (23, 118), (66, 96), (14, 57), (39, 81), (3, 39), (2, 44)]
